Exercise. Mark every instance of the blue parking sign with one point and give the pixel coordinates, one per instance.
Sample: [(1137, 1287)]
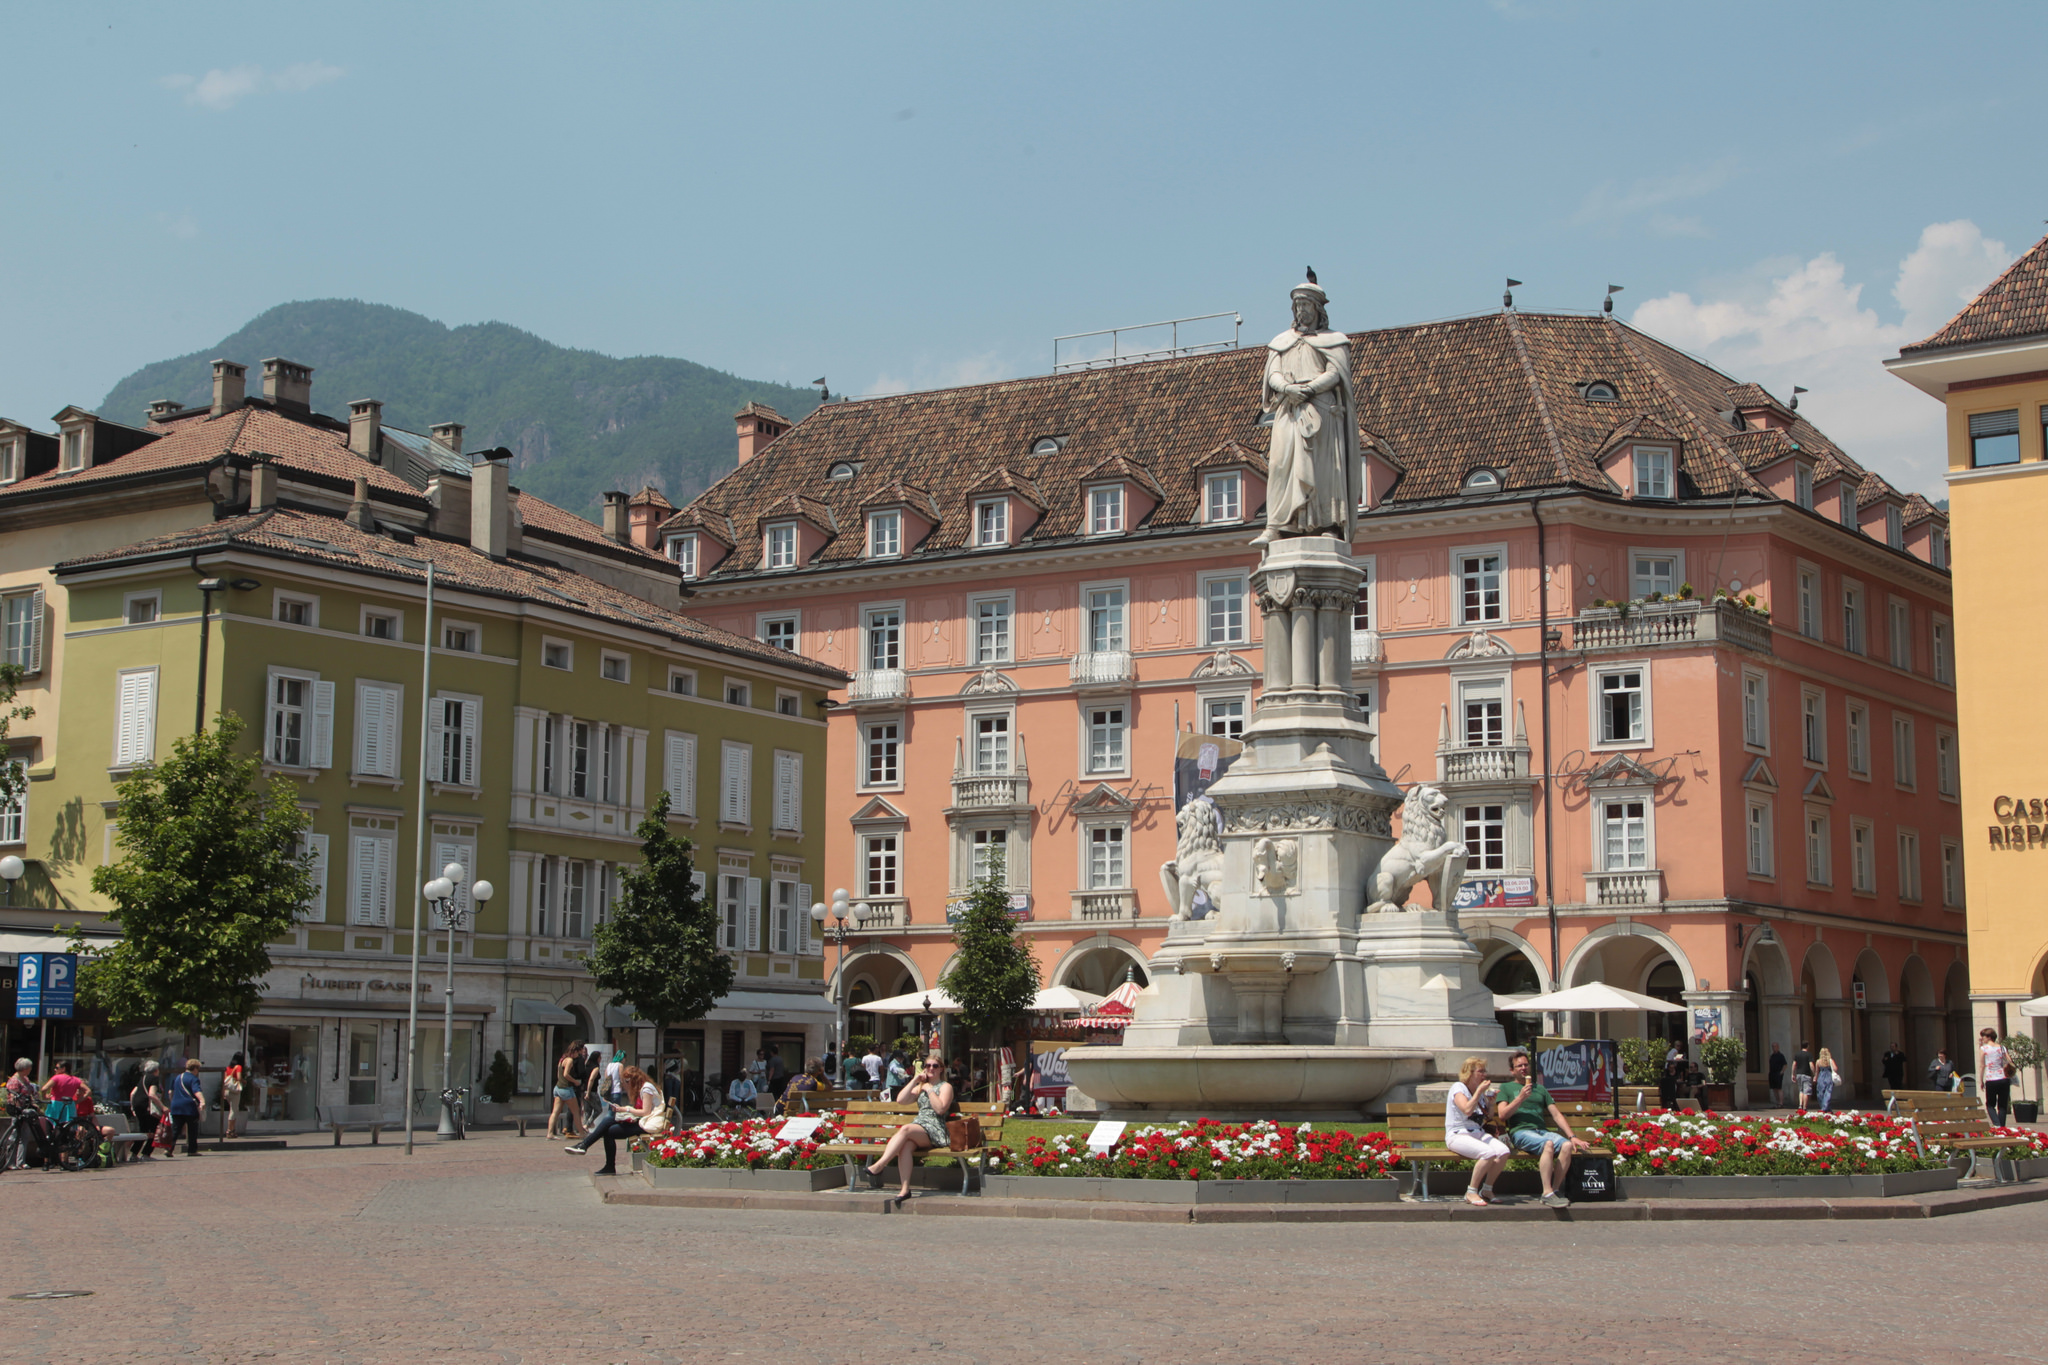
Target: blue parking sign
[(28, 987), (47, 986)]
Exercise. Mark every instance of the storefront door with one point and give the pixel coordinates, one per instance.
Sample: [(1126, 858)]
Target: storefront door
[(364, 1057), (284, 1063)]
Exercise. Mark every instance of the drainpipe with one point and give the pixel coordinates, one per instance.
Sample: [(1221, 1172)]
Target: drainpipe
[(1543, 658)]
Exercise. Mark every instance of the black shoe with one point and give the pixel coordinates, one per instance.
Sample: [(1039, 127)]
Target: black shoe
[(606, 1170)]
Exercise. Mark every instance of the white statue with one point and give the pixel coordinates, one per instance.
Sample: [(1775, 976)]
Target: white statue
[(1198, 859), (1275, 863), (1426, 853), (1312, 463)]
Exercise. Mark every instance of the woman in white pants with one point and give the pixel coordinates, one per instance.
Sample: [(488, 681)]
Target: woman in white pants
[(1465, 1134)]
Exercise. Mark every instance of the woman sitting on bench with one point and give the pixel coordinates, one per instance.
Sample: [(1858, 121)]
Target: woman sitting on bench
[(934, 1106), (1465, 1132)]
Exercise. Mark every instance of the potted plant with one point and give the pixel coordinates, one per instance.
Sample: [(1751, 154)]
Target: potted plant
[(1685, 591), (1642, 1060), (2025, 1052), (1721, 1056)]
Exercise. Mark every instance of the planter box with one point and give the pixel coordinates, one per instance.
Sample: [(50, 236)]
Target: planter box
[(2031, 1167), (1452, 1183), (735, 1178), (1186, 1192)]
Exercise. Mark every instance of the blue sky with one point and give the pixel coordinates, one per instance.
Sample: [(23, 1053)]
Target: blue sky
[(904, 196)]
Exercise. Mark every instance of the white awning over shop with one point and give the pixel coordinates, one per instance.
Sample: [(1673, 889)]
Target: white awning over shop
[(14, 942), (2035, 1008), (1596, 997), (913, 1003)]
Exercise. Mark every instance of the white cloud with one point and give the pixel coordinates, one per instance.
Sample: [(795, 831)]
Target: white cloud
[(1809, 326), (926, 372), (181, 225), (224, 87), (1609, 202)]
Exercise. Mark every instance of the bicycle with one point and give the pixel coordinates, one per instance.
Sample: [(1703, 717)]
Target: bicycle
[(73, 1146), (457, 1101)]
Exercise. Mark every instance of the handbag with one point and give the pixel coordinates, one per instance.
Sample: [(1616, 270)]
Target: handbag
[(655, 1124), (963, 1134)]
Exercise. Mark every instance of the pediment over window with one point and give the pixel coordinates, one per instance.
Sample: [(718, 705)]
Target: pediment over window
[(988, 680), (1760, 775), (1224, 664), (1481, 644), (1103, 800), (879, 812), (1817, 788), (1623, 771)]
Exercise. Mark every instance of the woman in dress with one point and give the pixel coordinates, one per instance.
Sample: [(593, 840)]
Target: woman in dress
[(567, 1106), (1825, 1078), (231, 1078), (641, 1098), (1465, 1130), (934, 1106), (1996, 1073)]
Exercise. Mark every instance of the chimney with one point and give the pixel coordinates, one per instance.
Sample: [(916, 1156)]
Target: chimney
[(615, 518), (230, 385), (288, 384), (263, 485), (162, 408), (758, 426), (365, 428), (490, 506), (359, 509), (645, 513), (449, 495), (448, 434)]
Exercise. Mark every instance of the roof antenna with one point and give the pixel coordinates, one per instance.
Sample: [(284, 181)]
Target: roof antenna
[(824, 394), (1507, 298), (1796, 391), (1607, 304)]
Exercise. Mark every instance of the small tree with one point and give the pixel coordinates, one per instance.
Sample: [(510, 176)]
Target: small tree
[(1642, 1060), (211, 874), (994, 976), (2025, 1053), (1722, 1055), (658, 953)]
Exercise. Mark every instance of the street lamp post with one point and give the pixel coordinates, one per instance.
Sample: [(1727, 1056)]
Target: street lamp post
[(12, 867), (839, 912), (440, 895)]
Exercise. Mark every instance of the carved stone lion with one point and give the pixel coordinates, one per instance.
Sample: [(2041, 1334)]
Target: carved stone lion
[(1198, 859), (1425, 853)]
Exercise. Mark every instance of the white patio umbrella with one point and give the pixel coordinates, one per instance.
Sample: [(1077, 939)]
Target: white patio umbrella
[(913, 1003), (2035, 1008), (1064, 1000), (1595, 998)]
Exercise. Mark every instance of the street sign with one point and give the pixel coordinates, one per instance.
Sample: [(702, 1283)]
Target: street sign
[(47, 987)]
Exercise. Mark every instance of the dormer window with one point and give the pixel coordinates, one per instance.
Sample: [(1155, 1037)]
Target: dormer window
[(841, 471), (10, 461), (1483, 481), (1600, 391), (1894, 528), (1048, 445), (1106, 510), (1223, 497), (1653, 471), (885, 534), (782, 545), (1937, 548), (72, 452), (1802, 486), (683, 550), (992, 522)]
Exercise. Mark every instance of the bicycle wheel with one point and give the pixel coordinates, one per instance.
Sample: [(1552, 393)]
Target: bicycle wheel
[(78, 1147), (13, 1149)]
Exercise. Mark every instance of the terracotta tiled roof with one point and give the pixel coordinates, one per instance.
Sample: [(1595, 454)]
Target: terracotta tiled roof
[(1752, 396), (650, 496), (1501, 391), (316, 539), (1231, 453), (1876, 488), (2013, 305), (1919, 509), (554, 523)]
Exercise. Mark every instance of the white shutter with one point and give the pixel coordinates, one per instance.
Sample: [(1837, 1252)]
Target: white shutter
[(699, 883), (448, 851), (387, 850), (35, 632), (437, 741), (362, 891), (135, 721), (737, 799), (314, 911), (789, 787), (471, 718), (812, 944), (753, 914), (377, 730), (323, 725), (682, 773)]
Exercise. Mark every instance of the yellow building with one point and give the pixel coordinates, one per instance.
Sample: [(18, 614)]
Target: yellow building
[(1990, 366)]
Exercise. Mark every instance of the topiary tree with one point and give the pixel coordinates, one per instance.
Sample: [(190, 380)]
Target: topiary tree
[(2026, 1055), (1722, 1056), (1642, 1060), (994, 976), (498, 1080), (659, 953), (211, 874)]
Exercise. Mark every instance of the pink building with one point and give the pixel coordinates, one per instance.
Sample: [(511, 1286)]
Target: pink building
[(1039, 585)]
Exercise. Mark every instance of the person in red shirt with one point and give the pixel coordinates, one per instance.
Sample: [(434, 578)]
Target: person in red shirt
[(62, 1091)]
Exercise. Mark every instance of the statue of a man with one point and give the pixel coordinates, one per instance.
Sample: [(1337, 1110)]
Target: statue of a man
[(1312, 464)]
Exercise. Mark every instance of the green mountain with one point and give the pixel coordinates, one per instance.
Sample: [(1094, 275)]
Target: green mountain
[(578, 422)]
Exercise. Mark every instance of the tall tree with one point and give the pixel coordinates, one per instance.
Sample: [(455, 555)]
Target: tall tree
[(994, 976), (659, 950), (211, 874)]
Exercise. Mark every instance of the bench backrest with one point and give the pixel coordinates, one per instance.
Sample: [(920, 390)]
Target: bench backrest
[(1415, 1125), (825, 1101), (351, 1113), (1936, 1114), (875, 1120), (1635, 1097)]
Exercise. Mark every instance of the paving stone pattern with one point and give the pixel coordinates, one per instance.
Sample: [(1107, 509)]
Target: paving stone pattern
[(500, 1249)]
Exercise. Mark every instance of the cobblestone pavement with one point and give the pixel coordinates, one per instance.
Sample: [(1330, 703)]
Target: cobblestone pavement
[(499, 1250)]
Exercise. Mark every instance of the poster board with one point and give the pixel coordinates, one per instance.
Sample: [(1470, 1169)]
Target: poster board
[(1049, 1080), (1581, 1069)]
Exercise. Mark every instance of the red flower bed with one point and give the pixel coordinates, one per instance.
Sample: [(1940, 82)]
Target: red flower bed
[(1209, 1150)]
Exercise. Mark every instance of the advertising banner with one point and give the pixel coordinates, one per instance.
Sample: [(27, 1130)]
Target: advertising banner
[(1198, 760), (1707, 1023), (1493, 893), (1577, 1068), (1049, 1080), (1020, 907)]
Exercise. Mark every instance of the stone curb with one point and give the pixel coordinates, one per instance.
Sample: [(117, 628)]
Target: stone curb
[(628, 1190)]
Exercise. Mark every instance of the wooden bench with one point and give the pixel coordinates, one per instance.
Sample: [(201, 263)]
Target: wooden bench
[(342, 1117), (825, 1101), (1955, 1122), (1417, 1132), (870, 1124), (1578, 1111)]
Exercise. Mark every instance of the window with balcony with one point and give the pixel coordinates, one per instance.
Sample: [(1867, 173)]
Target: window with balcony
[(1946, 779), (1484, 829), (1625, 835), (1106, 739), (992, 522), (1899, 637), (781, 551), (1653, 471), (1624, 714), (991, 852), (1107, 869), (1905, 758), (1862, 857), (881, 868), (1819, 869), (1224, 624), (1994, 438), (885, 639), (1479, 588), (1757, 828), (1105, 620), (884, 752), (1224, 497), (1813, 727), (1654, 574), (779, 631), (1809, 604), (1106, 510), (1756, 711), (1224, 716), (1856, 737), (1852, 618), (885, 535), (1909, 865), (1482, 708), (992, 631), (991, 744)]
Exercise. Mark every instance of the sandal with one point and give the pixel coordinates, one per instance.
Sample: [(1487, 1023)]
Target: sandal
[(1475, 1198)]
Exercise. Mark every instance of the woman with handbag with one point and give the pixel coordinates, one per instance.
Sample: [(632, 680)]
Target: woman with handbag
[(568, 1105), (934, 1106), (1826, 1076), (150, 1111), (1465, 1130), (647, 1114), (231, 1078)]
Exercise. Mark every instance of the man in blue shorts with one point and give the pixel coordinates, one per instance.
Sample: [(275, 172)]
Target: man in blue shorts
[(1525, 1107)]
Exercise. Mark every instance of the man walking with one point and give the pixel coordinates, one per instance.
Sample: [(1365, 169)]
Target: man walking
[(188, 1107), (872, 1064), (1524, 1107), (1893, 1064), (1802, 1074), (1777, 1076)]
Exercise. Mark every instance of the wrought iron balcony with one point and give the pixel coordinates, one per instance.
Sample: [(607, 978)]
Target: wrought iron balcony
[(1643, 886), (876, 686), (1672, 623), (1100, 668)]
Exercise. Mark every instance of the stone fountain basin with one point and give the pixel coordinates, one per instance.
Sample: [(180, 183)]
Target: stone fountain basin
[(1242, 1082)]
